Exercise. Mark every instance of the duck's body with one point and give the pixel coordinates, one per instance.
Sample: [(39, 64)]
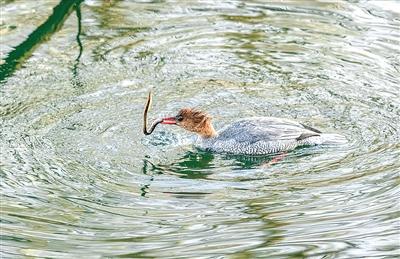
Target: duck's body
[(250, 136), (264, 135)]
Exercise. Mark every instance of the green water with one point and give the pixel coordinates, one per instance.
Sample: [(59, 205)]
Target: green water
[(78, 177)]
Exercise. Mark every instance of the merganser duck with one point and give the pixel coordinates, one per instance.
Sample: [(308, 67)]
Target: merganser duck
[(250, 136)]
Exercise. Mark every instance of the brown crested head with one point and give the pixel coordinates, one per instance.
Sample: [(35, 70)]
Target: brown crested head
[(193, 120)]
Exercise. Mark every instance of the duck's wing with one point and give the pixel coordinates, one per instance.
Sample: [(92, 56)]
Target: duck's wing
[(267, 129)]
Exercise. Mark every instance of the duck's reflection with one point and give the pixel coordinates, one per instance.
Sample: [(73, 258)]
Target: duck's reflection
[(192, 165), (198, 164)]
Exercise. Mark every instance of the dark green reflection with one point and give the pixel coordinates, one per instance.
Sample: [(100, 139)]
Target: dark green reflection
[(76, 80), (146, 170), (192, 165), (197, 164), (24, 50)]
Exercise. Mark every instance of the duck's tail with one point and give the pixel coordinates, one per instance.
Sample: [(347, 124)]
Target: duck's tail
[(332, 139)]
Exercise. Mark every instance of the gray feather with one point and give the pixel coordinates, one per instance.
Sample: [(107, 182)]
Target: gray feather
[(261, 135)]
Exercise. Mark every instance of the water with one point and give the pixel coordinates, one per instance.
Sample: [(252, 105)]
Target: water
[(78, 177)]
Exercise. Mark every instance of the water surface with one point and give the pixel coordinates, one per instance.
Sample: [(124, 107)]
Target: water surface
[(78, 177)]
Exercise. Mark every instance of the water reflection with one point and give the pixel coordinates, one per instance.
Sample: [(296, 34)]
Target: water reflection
[(192, 165), (76, 81), (23, 51), (147, 171), (198, 164)]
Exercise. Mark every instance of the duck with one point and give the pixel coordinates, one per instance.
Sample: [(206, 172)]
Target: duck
[(247, 136)]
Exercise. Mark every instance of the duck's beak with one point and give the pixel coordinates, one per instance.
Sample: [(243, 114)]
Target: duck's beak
[(168, 120)]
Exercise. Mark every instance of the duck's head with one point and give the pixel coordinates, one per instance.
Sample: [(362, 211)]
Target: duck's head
[(192, 120)]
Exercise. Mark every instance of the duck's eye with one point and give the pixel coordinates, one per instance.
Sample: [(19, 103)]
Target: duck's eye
[(179, 118)]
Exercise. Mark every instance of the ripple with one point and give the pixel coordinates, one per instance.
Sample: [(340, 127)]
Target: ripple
[(78, 175)]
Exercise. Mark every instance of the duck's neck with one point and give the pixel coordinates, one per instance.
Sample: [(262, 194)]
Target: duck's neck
[(208, 131)]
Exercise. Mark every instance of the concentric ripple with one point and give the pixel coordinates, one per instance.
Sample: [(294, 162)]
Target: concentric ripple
[(78, 177)]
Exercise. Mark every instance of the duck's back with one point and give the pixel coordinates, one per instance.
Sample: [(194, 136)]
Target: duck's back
[(261, 135)]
